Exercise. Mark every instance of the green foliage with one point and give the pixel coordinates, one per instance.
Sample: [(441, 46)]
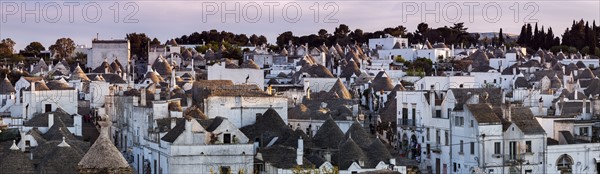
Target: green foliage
[(206, 37), (81, 58), (63, 47), (312, 170), (7, 47), (139, 44), (231, 51), (34, 48), (399, 59)]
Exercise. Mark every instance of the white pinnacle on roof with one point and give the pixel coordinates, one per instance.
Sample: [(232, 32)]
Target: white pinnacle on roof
[(63, 143), (14, 146)]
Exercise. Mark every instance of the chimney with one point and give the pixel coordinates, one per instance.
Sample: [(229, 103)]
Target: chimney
[(540, 107), (143, 97), (584, 108), (393, 161), (328, 156), (474, 99), (32, 85), (172, 78), (50, 120), (30, 68), (136, 100), (514, 71), (432, 98), (270, 89), (188, 129), (300, 151), (157, 95), (173, 122)]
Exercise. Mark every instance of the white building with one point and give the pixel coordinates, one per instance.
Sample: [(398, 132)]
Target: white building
[(108, 50), (238, 75), (240, 106)]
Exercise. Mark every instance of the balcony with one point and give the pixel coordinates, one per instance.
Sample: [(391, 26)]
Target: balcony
[(583, 137), (514, 160), (406, 122), (436, 148), (136, 140)]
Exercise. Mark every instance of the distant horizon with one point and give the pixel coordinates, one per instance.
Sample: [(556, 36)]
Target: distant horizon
[(172, 19)]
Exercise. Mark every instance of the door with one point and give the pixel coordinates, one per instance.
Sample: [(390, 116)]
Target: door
[(445, 169), (48, 108), (227, 138), (437, 165)]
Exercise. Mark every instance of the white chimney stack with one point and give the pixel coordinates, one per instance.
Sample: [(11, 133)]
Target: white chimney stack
[(300, 151), (143, 97), (50, 120)]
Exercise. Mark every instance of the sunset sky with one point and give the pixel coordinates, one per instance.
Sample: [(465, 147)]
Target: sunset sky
[(166, 20)]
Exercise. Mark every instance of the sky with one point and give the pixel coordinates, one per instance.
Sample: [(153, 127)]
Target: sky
[(46, 21)]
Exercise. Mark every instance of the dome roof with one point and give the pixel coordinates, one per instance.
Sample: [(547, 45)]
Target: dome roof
[(103, 156), (249, 64), (6, 87)]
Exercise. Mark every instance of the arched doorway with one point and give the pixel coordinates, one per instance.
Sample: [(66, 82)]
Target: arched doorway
[(564, 164)]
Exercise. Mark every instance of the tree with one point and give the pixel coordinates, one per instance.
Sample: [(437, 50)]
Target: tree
[(7, 47), (64, 47), (342, 30), (522, 36), (501, 37), (423, 29), (34, 48), (154, 42), (139, 44), (284, 38), (322, 33)]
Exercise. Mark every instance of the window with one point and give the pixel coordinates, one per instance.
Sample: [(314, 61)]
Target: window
[(472, 148), (414, 115), (427, 134), (461, 147), (225, 169), (454, 164), (27, 143), (459, 121), (472, 123), (583, 131), (497, 148), (405, 113), (437, 136), (528, 146), (438, 113), (446, 138), (448, 113), (48, 108), (512, 149), (226, 138)]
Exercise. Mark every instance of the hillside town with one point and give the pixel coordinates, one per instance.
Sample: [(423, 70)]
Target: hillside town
[(388, 104)]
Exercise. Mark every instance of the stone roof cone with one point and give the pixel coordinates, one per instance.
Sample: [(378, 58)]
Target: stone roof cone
[(103, 156)]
